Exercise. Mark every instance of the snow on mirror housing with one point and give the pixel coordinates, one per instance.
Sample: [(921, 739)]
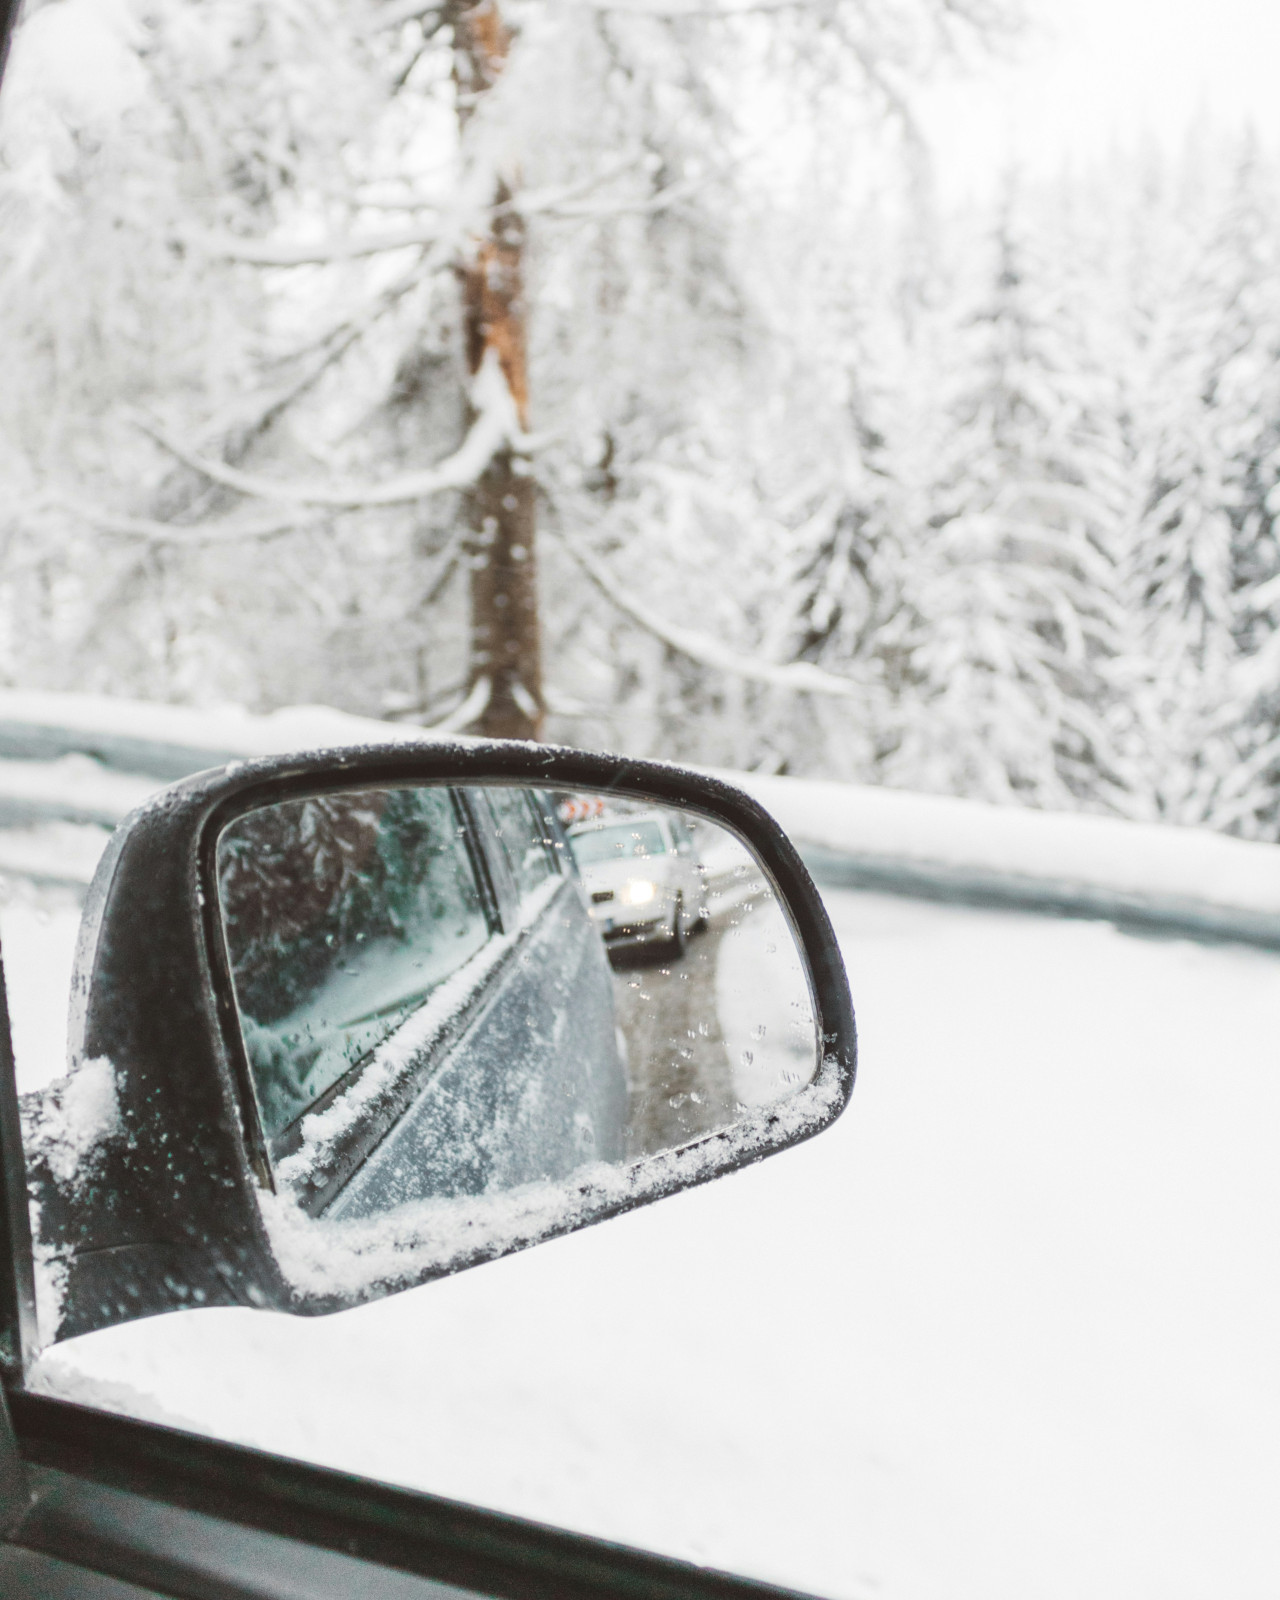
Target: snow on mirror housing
[(359, 1019)]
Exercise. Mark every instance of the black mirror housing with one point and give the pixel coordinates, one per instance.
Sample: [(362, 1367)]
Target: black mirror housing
[(166, 1213)]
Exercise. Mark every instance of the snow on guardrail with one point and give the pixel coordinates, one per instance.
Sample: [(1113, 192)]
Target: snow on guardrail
[(72, 765), (74, 788), (169, 742), (1178, 880)]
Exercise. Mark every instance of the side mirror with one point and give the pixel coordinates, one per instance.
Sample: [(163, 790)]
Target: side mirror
[(349, 1021)]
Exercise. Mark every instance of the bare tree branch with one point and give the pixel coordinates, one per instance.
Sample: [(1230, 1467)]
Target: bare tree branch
[(798, 676)]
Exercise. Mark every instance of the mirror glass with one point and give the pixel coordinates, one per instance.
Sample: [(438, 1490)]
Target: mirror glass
[(449, 992)]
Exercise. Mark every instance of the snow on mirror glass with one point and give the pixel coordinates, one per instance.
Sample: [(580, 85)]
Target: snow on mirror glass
[(449, 994)]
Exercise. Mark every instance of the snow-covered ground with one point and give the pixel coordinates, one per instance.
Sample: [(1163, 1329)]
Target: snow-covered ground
[(1008, 1330)]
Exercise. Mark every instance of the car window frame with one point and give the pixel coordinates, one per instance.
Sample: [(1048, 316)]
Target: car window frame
[(497, 846)]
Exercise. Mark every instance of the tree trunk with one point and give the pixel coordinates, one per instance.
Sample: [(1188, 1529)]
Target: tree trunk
[(505, 629)]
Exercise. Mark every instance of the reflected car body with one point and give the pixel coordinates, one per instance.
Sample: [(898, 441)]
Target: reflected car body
[(644, 882), (486, 1005)]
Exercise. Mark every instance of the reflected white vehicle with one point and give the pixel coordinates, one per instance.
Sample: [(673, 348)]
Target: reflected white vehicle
[(645, 883)]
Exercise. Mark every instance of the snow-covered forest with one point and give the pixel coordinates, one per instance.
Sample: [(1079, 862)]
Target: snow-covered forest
[(605, 370)]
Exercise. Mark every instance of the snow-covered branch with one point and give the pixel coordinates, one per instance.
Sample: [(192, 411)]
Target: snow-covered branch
[(677, 9), (444, 569), (462, 716), (671, 194), (568, 202), (495, 426), (395, 16), (800, 677), (222, 531), (320, 252)]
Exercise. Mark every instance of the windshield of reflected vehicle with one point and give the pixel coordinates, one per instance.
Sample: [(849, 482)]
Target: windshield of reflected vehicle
[(622, 842)]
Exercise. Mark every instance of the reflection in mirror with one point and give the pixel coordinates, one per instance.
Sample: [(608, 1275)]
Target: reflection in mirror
[(458, 991)]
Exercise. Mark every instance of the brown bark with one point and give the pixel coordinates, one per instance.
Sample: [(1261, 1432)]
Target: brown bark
[(505, 625)]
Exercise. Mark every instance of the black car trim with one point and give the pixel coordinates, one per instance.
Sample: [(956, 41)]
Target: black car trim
[(17, 1269), (488, 1552), (475, 834)]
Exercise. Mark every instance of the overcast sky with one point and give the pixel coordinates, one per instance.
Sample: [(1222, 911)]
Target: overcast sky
[(1095, 72)]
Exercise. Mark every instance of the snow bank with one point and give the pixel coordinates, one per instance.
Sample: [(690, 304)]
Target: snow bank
[(1008, 1331)]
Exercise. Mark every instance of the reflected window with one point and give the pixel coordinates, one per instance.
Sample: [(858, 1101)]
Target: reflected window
[(342, 914), (525, 838)]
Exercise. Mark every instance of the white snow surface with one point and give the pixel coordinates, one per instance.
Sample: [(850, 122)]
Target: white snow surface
[(1009, 1329), (85, 1115), (38, 936)]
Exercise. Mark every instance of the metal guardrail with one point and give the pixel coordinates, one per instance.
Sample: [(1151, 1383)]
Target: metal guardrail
[(1155, 915), (153, 758), (123, 755)]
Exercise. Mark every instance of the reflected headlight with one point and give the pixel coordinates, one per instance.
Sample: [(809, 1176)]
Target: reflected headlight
[(637, 892)]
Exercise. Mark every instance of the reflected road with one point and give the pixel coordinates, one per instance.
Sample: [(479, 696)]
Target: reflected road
[(679, 1071)]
